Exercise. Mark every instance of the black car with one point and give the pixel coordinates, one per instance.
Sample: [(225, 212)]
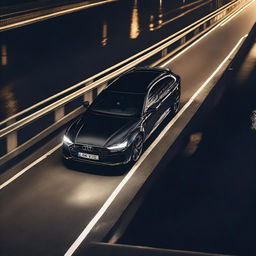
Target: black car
[(114, 127)]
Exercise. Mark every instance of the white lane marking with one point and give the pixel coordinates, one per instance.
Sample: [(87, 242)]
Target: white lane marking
[(199, 39), (55, 14), (111, 198), (29, 166), (232, 16)]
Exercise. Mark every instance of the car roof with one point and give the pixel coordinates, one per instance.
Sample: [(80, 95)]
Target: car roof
[(137, 80)]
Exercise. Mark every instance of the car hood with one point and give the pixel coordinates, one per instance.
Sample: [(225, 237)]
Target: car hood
[(101, 130)]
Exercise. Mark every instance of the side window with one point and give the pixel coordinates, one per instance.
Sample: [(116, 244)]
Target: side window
[(160, 90), (152, 96), (165, 87)]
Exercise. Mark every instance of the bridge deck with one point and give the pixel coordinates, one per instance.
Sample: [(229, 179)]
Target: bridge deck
[(45, 210)]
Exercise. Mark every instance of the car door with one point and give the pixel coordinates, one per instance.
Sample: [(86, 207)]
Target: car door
[(165, 87), (152, 118), (167, 93)]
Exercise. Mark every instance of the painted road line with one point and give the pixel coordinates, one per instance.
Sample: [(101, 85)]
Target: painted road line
[(17, 175)]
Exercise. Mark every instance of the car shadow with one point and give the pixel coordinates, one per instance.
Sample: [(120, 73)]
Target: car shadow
[(96, 169)]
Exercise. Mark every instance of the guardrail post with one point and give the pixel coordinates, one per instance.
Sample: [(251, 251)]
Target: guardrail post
[(59, 113), (101, 87), (164, 52), (183, 40), (12, 138), (88, 96), (196, 31)]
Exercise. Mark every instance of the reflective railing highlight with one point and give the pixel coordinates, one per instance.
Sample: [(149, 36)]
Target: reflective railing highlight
[(48, 115)]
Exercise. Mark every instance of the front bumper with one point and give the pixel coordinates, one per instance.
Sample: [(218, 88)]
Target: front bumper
[(106, 157)]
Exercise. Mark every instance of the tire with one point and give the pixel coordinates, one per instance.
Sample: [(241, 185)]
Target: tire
[(137, 148)]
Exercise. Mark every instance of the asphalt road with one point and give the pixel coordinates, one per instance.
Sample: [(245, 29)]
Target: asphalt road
[(44, 210)]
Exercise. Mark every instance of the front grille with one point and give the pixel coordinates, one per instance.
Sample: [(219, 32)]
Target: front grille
[(105, 156), (88, 149)]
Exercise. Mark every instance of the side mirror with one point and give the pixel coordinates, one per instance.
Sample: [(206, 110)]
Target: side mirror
[(86, 104)]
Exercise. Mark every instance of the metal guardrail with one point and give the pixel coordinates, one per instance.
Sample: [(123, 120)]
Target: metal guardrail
[(112, 68), (57, 107)]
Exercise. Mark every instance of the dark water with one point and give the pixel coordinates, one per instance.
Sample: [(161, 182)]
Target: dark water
[(44, 58), (13, 2), (206, 198)]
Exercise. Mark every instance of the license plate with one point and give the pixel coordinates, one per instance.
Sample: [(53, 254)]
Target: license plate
[(88, 156)]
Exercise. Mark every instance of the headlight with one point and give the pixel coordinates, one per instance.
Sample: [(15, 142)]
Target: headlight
[(67, 141), (118, 147)]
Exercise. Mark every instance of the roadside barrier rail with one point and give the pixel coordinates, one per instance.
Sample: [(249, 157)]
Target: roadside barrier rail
[(46, 116)]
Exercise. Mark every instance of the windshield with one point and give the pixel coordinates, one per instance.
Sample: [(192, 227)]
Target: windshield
[(116, 103)]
